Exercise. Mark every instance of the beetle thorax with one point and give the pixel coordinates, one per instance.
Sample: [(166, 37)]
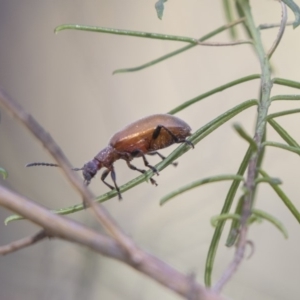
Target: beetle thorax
[(107, 156)]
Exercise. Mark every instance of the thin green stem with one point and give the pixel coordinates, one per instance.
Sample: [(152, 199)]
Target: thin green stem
[(296, 10), (272, 25), (212, 92), (270, 180), (285, 97), (283, 113), (3, 173), (235, 224), (250, 186), (211, 255), (282, 146), (286, 82), (281, 30), (271, 219), (285, 199), (239, 129), (224, 217), (199, 183), (180, 50), (229, 16), (283, 133), (141, 34)]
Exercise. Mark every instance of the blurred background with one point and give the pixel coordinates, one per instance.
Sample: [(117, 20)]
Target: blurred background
[(65, 81)]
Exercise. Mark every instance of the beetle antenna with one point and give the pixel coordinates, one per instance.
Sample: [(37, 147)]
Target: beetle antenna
[(48, 165), (42, 164), (77, 169)]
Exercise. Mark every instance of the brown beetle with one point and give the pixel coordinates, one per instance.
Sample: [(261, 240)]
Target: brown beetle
[(139, 138)]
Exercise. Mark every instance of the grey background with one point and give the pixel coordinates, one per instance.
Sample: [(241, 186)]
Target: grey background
[(66, 82)]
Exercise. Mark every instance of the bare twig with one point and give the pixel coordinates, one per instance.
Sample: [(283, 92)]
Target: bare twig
[(103, 216), (281, 29), (273, 25), (22, 243), (59, 226)]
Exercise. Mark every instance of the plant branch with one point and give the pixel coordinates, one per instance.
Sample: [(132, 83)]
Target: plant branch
[(266, 85), (66, 229), (141, 34), (102, 215), (22, 243)]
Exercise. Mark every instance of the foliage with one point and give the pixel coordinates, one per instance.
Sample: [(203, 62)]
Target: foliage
[(245, 212)]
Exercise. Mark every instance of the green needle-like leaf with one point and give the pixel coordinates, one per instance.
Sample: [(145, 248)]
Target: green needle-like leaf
[(3, 173), (242, 15), (199, 183), (268, 180), (283, 133), (141, 34), (271, 219), (180, 50), (159, 6), (235, 224), (219, 229), (288, 203), (245, 136), (206, 130), (296, 10), (224, 217), (217, 122), (286, 82), (283, 113), (285, 97), (212, 92), (282, 146), (229, 16)]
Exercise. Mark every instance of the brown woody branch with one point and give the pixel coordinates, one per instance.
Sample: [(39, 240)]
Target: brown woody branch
[(22, 243), (122, 248), (61, 227), (48, 142)]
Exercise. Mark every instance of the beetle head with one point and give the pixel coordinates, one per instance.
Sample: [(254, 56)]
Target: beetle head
[(89, 170)]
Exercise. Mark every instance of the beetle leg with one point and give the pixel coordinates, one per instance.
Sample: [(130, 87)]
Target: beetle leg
[(132, 167), (113, 177), (162, 157), (104, 175), (157, 130), (146, 163)]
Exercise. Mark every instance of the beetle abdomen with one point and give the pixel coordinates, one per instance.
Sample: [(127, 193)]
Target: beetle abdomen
[(139, 134)]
